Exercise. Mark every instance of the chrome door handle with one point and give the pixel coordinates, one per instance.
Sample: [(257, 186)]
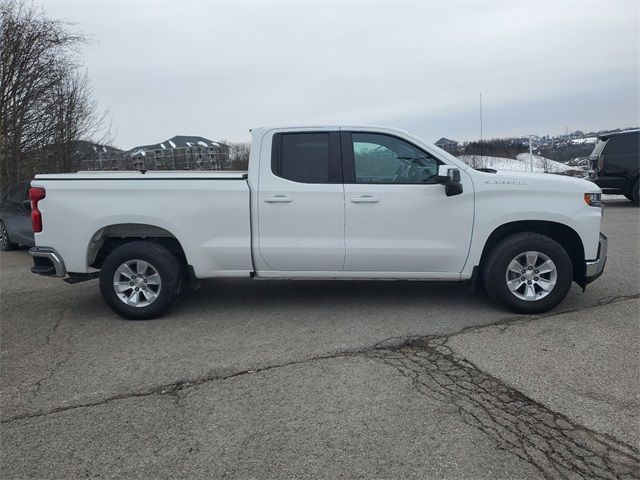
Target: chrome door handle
[(278, 199), (364, 199)]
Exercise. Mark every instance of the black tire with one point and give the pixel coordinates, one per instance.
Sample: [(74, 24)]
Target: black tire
[(498, 260), (635, 193), (161, 259), (5, 241)]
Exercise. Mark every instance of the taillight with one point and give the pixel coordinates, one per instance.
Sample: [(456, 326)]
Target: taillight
[(601, 162), (35, 195)]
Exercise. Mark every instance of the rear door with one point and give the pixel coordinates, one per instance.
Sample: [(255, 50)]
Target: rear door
[(301, 202), (398, 219)]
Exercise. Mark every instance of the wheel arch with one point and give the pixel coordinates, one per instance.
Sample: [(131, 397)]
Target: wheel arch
[(566, 236), (110, 237)]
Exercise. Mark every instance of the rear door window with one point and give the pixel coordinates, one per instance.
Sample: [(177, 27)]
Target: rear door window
[(310, 157), (627, 143)]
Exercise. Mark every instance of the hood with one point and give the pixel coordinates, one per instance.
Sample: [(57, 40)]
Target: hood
[(547, 181)]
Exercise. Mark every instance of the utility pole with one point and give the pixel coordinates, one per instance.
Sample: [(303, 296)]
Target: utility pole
[(481, 142), (531, 153)]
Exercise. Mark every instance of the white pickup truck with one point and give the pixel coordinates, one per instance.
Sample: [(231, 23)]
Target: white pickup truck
[(320, 203)]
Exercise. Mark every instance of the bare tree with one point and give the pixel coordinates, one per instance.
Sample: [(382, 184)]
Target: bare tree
[(239, 155), (44, 100)]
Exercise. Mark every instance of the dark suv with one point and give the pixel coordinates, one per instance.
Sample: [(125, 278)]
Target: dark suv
[(616, 163), (15, 218)]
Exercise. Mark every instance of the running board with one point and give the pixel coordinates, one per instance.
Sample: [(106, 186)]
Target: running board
[(81, 277)]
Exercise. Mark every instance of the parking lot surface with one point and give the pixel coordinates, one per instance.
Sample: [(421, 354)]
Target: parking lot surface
[(283, 379)]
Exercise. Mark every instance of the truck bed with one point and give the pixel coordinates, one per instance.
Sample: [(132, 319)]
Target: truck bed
[(144, 175), (209, 217)]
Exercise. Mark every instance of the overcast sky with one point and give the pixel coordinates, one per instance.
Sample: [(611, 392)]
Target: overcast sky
[(217, 69)]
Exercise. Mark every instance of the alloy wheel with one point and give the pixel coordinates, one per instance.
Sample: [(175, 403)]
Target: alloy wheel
[(137, 283), (531, 276)]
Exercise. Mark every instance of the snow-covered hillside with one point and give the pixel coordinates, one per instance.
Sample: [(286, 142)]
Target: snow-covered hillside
[(540, 164)]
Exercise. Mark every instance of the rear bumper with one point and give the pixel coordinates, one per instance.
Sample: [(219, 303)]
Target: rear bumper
[(594, 268), (48, 262)]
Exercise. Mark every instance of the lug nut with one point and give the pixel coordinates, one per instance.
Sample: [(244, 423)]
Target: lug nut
[(522, 278), (530, 267), (536, 279), (536, 271), (131, 283), (523, 271), (528, 282), (138, 288)]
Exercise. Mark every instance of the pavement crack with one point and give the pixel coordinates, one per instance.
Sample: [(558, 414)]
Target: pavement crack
[(507, 321), (48, 343), (615, 298), (557, 447), (388, 343), (173, 389)]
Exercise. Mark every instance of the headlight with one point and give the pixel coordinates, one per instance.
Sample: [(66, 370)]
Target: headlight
[(593, 199)]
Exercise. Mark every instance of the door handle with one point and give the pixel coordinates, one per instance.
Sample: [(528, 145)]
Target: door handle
[(364, 199), (278, 199)]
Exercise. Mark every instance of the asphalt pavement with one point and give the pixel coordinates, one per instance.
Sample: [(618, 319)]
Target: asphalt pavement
[(285, 379)]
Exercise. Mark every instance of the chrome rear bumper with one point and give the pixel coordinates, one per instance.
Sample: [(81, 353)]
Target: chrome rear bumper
[(48, 262), (594, 268)]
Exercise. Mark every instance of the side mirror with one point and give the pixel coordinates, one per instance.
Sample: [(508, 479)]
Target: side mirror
[(26, 204), (450, 178)]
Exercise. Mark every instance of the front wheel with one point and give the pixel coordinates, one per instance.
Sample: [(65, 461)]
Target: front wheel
[(528, 273), (140, 280)]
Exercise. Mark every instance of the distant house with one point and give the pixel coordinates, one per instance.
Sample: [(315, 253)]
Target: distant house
[(447, 144), (182, 152)]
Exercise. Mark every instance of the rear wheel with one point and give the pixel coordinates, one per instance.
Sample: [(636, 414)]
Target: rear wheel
[(140, 280), (635, 193), (528, 273), (5, 242)]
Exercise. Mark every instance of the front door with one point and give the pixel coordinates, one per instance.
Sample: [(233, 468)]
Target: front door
[(398, 218)]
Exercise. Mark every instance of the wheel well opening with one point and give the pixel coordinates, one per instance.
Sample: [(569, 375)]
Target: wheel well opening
[(564, 235), (107, 239)]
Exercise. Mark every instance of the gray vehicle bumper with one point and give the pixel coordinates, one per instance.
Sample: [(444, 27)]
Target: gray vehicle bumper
[(594, 268), (48, 262)]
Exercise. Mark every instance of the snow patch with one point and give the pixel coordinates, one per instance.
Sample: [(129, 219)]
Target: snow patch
[(521, 163), (200, 142), (173, 145), (163, 147), (579, 141)]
